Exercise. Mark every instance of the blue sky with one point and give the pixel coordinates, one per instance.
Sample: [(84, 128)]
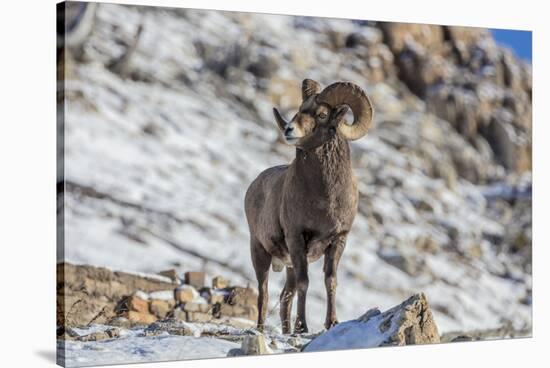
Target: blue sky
[(519, 41)]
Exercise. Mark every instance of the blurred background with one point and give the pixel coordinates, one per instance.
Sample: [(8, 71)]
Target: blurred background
[(167, 120)]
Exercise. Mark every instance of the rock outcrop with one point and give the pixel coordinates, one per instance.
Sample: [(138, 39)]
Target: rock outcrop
[(409, 323), (466, 79), (89, 295)]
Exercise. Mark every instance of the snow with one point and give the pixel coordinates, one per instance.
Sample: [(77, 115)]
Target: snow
[(138, 349), (134, 346), (352, 335), (162, 295), (83, 331), (149, 276), (194, 292), (142, 295)]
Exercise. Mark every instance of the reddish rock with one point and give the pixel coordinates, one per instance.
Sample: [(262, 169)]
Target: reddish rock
[(137, 304), (141, 318), (186, 293), (161, 308), (195, 279)]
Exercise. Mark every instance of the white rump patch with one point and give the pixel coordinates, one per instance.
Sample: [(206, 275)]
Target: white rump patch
[(277, 264)]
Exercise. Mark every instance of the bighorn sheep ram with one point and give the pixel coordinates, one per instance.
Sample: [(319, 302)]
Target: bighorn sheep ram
[(296, 213)]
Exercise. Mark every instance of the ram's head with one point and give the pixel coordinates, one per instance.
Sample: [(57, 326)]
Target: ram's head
[(321, 115)]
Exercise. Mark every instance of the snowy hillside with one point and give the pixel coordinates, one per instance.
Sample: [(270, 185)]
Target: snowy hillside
[(159, 154)]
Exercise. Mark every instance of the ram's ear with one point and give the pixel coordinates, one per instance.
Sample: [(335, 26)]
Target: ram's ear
[(340, 112), (309, 88)]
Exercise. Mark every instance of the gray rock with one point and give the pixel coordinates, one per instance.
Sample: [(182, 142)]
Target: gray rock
[(414, 321), (255, 345), (110, 333), (171, 326), (407, 262), (408, 323)]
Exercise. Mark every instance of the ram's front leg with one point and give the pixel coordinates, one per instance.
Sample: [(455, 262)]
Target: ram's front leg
[(298, 256), (330, 267)]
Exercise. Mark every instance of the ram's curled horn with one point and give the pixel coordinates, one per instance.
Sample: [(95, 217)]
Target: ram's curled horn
[(280, 121), (352, 95)]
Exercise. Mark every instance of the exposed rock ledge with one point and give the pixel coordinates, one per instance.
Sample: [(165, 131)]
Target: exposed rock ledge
[(411, 322)]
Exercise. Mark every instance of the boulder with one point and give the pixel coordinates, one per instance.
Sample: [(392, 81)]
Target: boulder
[(255, 345), (186, 293), (195, 279), (409, 323), (414, 323), (161, 308), (141, 318), (138, 304), (219, 282)]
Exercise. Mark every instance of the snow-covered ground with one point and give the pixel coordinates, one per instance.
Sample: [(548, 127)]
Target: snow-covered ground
[(410, 322), (139, 345), (158, 163), (134, 349)]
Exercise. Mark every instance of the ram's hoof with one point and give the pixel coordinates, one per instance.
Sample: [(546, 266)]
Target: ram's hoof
[(300, 327), (330, 324)]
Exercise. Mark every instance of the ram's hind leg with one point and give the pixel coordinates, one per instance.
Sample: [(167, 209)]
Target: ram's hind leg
[(298, 256), (287, 295), (261, 261)]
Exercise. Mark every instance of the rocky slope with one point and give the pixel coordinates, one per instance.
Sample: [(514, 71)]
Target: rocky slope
[(162, 142)]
